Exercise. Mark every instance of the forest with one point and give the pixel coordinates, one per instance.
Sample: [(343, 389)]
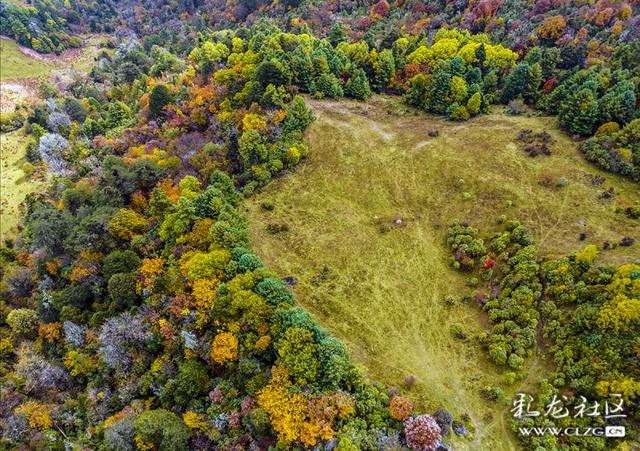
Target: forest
[(134, 312)]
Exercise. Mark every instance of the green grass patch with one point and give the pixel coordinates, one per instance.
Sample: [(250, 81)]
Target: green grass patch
[(14, 183), (361, 226), (16, 65)]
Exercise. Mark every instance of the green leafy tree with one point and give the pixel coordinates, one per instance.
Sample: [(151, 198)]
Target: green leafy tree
[(358, 85), (122, 290), (580, 112), (299, 116), (328, 85), (534, 79), (162, 429), (416, 95), (385, 69), (190, 384), (302, 69), (272, 72), (516, 83), (438, 89), (120, 261), (159, 98), (338, 34), (297, 352), (118, 113)]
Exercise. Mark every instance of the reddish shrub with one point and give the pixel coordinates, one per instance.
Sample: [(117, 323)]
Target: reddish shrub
[(422, 433)]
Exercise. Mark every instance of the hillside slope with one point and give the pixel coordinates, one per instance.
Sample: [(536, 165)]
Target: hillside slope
[(373, 167)]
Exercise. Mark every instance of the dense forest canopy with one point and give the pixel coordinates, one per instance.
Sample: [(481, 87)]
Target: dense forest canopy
[(135, 314)]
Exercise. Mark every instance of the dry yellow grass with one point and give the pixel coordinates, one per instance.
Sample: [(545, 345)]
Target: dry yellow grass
[(382, 294)]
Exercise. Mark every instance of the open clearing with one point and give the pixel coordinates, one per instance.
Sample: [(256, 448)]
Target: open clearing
[(17, 65), (382, 293), (20, 63)]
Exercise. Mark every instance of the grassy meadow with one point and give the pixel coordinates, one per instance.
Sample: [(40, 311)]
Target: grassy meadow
[(374, 167), (17, 65), (14, 183)]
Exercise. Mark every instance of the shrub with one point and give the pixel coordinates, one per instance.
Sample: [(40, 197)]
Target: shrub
[(471, 282), (267, 205), (587, 255), (516, 107), (410, 381), (627, 241), (23, 321), (510, 378), (52, 149), (400, 408), (275, 229), (515, 361), (491, 393), (444, 420), (27, 168), (422, 433), (11, 121), (608, 128), (458, 331)]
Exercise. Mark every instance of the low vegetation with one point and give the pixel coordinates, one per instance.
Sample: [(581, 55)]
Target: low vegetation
[(19, 179), (386, 286), (17, 65)]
